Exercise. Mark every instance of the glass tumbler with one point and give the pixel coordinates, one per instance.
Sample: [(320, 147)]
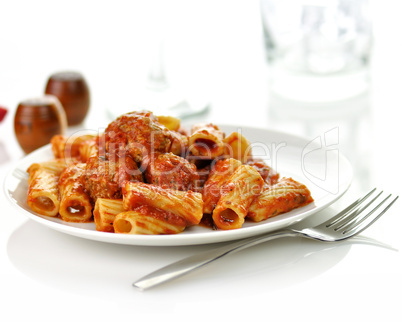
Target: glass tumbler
[(317, 50)]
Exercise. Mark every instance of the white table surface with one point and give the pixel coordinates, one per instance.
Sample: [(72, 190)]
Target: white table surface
[(215, 46)]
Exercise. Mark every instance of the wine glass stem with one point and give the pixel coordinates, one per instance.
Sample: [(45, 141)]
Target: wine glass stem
[(157, 75)]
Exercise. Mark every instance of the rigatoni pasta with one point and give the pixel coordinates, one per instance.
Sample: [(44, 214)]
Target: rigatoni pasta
[(147, 175), (206, 140), (43, 192), (75, 204), (237, 147), (240, 190), (54, 166), (64, 147), (185, 204), (105, 211), (281, 197), (146, 220), (179, 144), (218, 176), (88, 149), (170, 122)]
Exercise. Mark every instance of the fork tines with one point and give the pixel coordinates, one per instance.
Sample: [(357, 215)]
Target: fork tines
[(356, 216)]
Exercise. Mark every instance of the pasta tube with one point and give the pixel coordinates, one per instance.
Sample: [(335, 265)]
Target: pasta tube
[(54, 166), (75, 204), (170, 122), (243, 186), (68, 147), (87, 149), (146, 220), (179, 144), (43, 193), (237, 147), (184, 204), (281, 197), (218, 176), (105, 212), (58, 143), (206, 140)]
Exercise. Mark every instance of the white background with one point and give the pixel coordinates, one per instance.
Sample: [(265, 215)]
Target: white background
[(216, 47)]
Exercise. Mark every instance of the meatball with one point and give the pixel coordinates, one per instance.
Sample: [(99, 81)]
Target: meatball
[(104, 177), (172, 172), (137, 134)]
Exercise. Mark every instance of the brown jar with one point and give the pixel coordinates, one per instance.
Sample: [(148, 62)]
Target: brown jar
[(37, 120), (73, 93)]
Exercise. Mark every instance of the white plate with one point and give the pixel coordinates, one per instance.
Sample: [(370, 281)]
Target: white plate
[(318, 164)]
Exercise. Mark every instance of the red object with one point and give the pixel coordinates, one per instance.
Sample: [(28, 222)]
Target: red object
[(3, 113)]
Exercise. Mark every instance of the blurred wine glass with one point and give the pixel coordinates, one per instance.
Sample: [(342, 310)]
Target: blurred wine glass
[(157, 93)]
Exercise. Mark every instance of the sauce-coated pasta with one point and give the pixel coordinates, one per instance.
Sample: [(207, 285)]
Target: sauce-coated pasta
[(147, 175)]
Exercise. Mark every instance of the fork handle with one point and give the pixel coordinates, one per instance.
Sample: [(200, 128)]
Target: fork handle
[(196, 261)]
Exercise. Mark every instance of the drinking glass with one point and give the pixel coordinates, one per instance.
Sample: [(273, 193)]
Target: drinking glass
[(317, 50)]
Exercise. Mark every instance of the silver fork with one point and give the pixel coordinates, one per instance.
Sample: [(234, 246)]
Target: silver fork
[(349, 222)]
